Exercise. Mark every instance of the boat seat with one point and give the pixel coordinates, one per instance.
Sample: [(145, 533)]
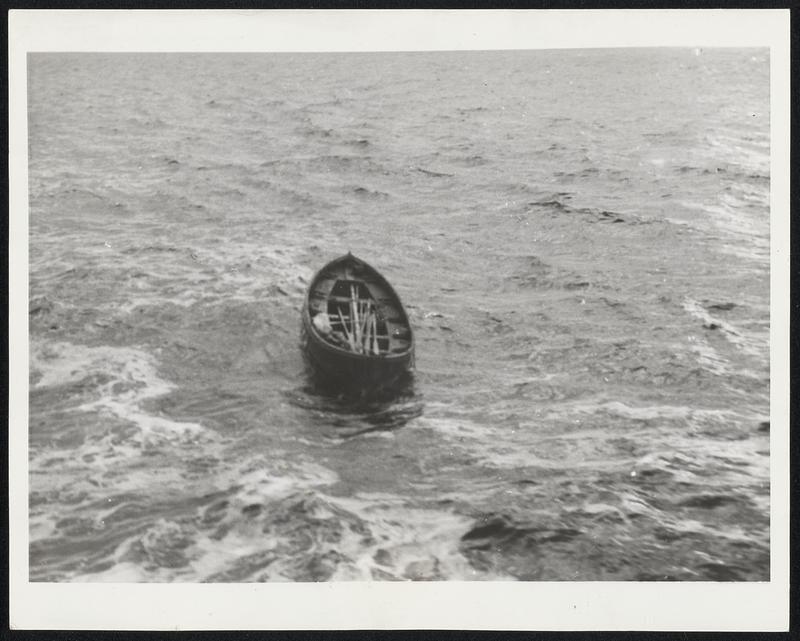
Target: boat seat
[(346, 299)]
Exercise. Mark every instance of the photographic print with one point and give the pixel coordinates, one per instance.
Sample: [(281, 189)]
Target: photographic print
[(399, 316)]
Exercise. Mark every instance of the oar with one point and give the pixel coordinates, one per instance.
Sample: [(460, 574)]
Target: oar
[(365, 325), (354, 317), (344, 327), (371, 342)]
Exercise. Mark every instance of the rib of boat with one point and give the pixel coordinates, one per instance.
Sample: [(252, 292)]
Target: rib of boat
[(355, 331)]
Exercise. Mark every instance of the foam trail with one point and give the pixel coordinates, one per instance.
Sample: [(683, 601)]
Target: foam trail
[(131, 379)]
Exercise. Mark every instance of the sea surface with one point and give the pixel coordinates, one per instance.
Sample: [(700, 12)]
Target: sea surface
[(581, 238)]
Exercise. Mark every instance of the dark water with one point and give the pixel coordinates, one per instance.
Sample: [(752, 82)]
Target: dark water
[(582, 242)]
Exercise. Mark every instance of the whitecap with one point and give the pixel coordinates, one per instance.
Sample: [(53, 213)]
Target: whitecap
[(750, 344), (131, 378)]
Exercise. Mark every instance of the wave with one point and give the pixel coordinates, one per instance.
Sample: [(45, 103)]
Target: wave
[(558, 204), (122, 380), (370, 194), (433, 174), (752, 345), (274, 526), (533, 272), (338, 419)]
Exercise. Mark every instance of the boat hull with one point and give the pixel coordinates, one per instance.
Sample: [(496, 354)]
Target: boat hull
[(335, 369)]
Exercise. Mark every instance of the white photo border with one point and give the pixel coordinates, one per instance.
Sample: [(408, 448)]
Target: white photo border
[(388, 605)]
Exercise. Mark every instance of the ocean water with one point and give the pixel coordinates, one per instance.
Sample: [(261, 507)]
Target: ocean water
[(581, 239)]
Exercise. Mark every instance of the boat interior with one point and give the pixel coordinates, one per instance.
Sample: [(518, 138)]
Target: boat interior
[(363, 316)]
